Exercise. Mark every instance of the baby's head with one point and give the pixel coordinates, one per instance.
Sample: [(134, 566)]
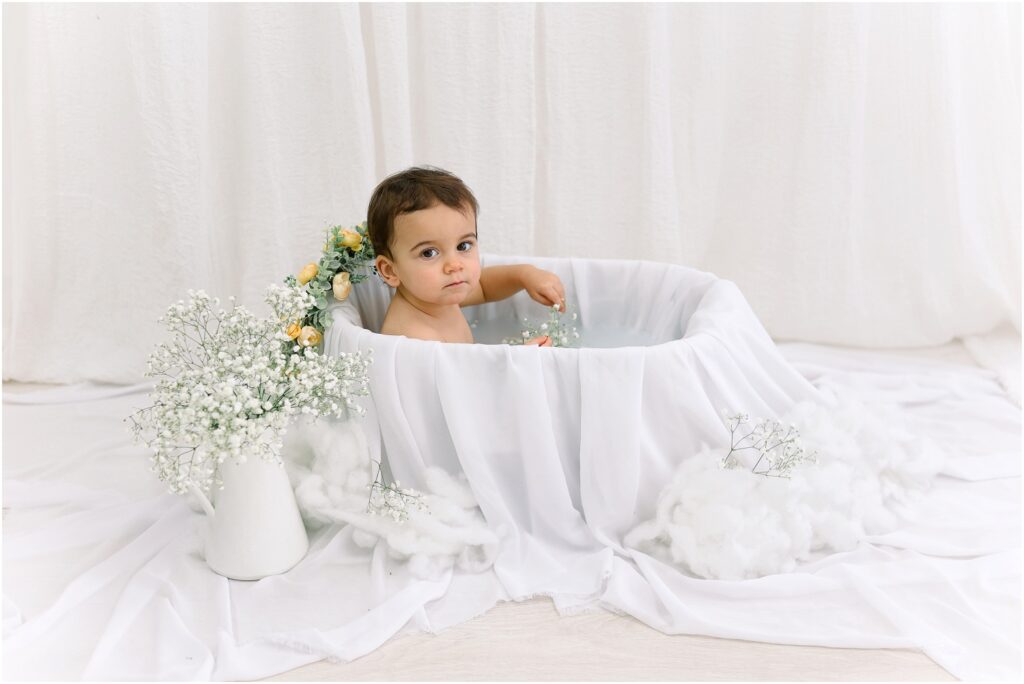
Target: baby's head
[(422, 224)]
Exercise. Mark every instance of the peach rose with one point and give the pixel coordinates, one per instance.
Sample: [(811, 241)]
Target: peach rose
[(309, 336), (341, 285), (293, 330), (308, 272), (351, 239)]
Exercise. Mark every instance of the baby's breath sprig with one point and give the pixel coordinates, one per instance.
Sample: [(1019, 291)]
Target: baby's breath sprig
[(779, 447), (392, 500), (562, 334)]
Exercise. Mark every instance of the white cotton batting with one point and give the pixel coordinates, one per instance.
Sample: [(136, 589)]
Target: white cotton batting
[(734, 524), (330, 470)]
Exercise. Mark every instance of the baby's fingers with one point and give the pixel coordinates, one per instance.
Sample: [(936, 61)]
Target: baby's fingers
[(558, 294), (555, 298)]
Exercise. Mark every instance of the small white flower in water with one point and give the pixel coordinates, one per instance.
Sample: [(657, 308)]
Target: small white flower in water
[(543, 326), (526, 333)]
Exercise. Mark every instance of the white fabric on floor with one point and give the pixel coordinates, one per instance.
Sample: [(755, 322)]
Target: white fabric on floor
[(104, 577), (999, 351)]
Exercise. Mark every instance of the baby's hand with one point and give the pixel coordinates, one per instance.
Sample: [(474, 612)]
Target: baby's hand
[(544, 287), (542, 341)]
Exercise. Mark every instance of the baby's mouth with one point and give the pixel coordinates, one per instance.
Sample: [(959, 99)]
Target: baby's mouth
[(457, 282)]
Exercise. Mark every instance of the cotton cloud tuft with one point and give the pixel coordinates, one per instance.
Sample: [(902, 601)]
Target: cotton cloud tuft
[(330, 469), (733, 524)]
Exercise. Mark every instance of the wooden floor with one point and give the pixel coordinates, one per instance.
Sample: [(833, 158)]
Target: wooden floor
[(530, 641)]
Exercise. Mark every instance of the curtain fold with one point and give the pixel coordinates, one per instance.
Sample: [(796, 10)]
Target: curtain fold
[(854, 168)]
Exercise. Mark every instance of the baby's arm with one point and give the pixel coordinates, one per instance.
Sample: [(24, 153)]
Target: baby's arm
[(496, 283), (501, 282)]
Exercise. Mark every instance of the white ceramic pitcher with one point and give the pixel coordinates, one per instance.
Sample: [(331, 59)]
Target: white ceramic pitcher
[(254, 526)]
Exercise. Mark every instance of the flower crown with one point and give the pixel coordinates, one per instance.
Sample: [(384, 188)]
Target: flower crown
[(346, 252)]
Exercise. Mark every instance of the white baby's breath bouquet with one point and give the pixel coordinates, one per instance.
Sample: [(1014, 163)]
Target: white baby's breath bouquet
[(231, 382)]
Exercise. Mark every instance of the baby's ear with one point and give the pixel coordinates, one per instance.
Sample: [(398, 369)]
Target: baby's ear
[(387, 270)]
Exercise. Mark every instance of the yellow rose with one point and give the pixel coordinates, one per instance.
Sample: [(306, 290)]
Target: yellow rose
[(351, 239), (308, 272), (309, 336), (293, 330), (341, 286)]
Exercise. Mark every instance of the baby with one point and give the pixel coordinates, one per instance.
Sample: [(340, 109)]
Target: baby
[(422, 223)]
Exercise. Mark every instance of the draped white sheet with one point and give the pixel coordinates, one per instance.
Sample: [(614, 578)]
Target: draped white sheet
[(566, 449), (104, 577), (854, 168)]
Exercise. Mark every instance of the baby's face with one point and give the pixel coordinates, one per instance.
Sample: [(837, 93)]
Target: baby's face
[(434, 255)]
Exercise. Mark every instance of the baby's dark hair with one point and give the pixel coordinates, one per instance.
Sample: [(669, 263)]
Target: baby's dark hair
[(419, 187)]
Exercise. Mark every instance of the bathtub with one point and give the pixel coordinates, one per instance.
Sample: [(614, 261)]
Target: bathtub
[(566, 449)]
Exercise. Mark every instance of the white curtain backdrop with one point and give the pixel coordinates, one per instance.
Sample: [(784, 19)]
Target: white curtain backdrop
[(854, 168)]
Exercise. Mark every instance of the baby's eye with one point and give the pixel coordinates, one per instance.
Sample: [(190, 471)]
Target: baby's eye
[(429, 252), (465, 246)]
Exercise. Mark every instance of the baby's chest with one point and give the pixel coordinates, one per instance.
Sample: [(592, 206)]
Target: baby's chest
[(458, 331)]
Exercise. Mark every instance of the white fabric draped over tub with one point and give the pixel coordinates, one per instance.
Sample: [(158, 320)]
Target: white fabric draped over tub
[(567, 449)]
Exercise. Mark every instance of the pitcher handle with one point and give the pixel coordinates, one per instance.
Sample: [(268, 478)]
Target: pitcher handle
[(207, 506)]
